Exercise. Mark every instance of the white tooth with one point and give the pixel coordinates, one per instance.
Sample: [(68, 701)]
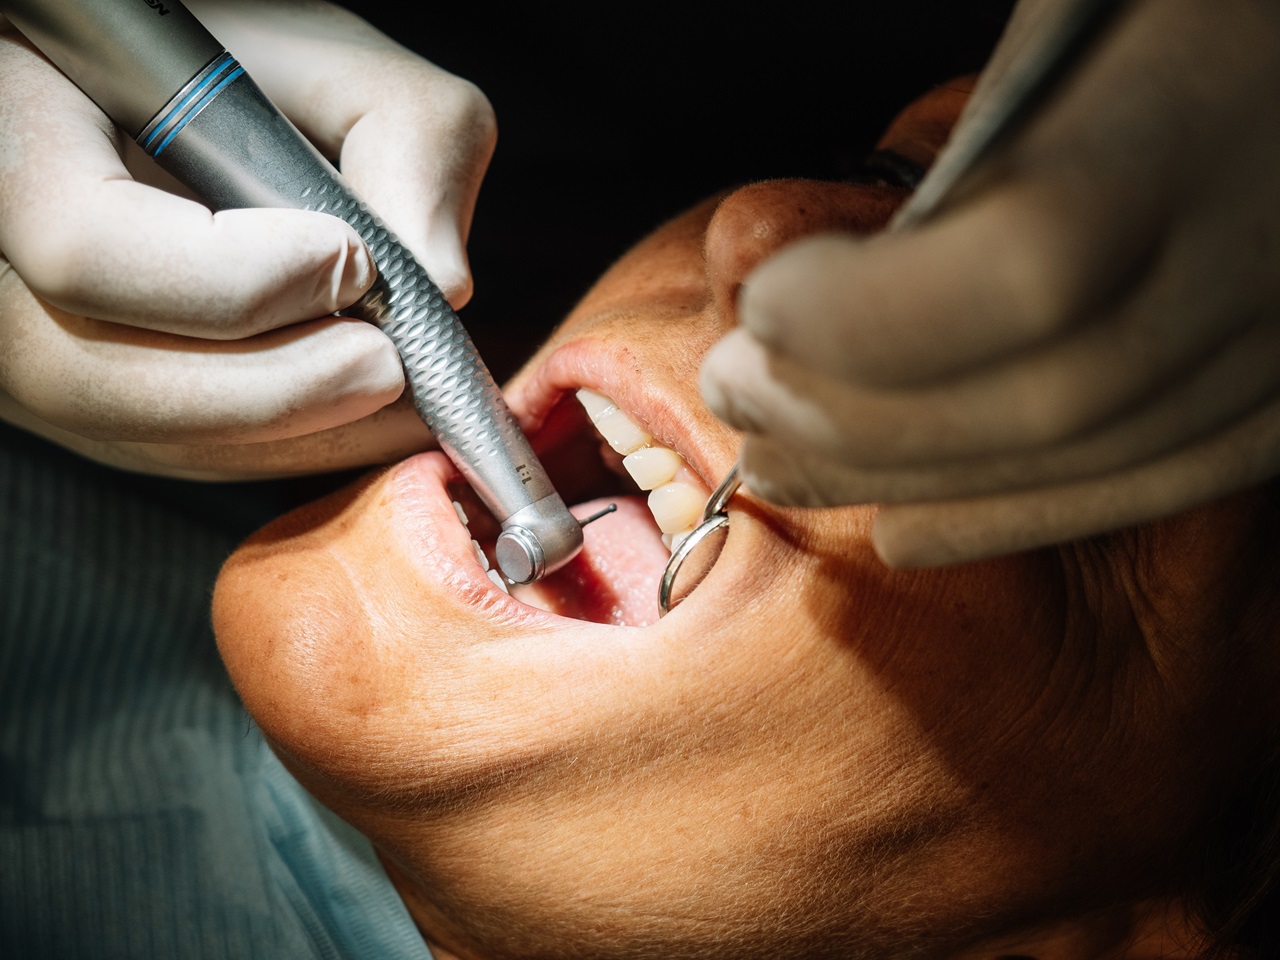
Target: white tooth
[(673, 540), (484, 561), (676, 506), (462, 514), (596, 404), (619, 431), (496, 577), (652, 466)]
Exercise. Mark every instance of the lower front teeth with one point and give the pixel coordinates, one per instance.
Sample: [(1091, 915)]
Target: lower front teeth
[(483, 560), (676, 505)]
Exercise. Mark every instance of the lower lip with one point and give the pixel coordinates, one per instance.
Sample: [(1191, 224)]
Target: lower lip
[(613, 581)]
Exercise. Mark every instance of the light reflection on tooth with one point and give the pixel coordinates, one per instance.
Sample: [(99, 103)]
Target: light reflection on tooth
[(652, 466), (462, 514), (622, 433), (595, 404), (676, 506), (484, 561), (496, 577)]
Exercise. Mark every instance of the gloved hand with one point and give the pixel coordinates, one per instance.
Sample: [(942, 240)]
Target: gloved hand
[(144, 331), (1087, 338)]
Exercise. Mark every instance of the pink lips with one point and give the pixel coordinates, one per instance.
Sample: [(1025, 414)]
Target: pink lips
[(424, 520), (613, 581)]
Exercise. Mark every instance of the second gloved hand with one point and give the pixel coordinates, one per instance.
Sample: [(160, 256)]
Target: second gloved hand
[(142, 330), (1088, 338)]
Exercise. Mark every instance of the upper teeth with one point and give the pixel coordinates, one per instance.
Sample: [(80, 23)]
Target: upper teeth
[(619, 431), (651, 466), (676, 505)]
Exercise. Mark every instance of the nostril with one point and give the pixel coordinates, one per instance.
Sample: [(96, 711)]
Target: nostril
[(754, 222)]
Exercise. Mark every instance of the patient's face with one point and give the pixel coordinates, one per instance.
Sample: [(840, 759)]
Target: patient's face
[(811, 755)]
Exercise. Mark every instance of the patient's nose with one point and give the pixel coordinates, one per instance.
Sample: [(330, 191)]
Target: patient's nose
[(756, 221)]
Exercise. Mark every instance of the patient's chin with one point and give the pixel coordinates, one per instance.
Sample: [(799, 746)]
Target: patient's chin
[(283, 607)]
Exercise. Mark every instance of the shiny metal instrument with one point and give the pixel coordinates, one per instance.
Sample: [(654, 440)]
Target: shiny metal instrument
[(167, 82)]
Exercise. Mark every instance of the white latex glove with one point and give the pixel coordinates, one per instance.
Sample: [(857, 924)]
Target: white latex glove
[(1088, 338), (141, 330)]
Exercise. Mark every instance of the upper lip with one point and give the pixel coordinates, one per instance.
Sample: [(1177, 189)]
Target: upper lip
[(609, 369)]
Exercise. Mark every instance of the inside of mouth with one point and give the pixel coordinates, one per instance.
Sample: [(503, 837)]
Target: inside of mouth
[(595, 454)]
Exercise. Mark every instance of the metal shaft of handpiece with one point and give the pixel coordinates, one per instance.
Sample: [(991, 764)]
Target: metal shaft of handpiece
[(215, 130)]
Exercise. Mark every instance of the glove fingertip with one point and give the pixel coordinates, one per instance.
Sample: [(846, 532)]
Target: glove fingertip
[(792, 287), (769, 472), (354, 273), (455, 282), (725, 380), (371, 365), (896, 550), (905, 540), (442, 253)]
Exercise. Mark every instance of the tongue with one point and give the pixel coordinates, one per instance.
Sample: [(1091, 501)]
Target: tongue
[(615, 577)]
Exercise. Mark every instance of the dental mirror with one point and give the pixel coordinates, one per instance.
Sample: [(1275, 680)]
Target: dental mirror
[(1027, 82), (693, 559)]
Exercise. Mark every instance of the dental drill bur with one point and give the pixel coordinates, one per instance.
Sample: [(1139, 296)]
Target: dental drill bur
[(167, 82)]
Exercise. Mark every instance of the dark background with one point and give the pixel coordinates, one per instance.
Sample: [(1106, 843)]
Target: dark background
[(612, 118)]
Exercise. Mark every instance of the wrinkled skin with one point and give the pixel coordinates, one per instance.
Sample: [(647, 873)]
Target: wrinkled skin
[(812, 756)]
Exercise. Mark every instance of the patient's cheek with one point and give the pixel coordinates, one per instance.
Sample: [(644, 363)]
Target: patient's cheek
[(293, 636)]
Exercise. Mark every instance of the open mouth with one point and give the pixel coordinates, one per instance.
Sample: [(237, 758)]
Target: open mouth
[(598, 450)]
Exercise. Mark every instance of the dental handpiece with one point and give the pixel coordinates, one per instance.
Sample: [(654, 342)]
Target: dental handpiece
[(167, 82)]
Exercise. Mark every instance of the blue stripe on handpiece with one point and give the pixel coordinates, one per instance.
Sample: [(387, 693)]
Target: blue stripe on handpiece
[(182, 104), (197, 108)]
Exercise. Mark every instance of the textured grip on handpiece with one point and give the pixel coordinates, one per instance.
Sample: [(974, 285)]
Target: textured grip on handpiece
[(235, 149), (221, 136), (458, 399)]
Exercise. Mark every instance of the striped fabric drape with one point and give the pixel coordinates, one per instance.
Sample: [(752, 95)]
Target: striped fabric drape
[(141, 814)]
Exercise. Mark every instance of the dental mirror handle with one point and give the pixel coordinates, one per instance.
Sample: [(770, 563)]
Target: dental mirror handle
[(168, 83)]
